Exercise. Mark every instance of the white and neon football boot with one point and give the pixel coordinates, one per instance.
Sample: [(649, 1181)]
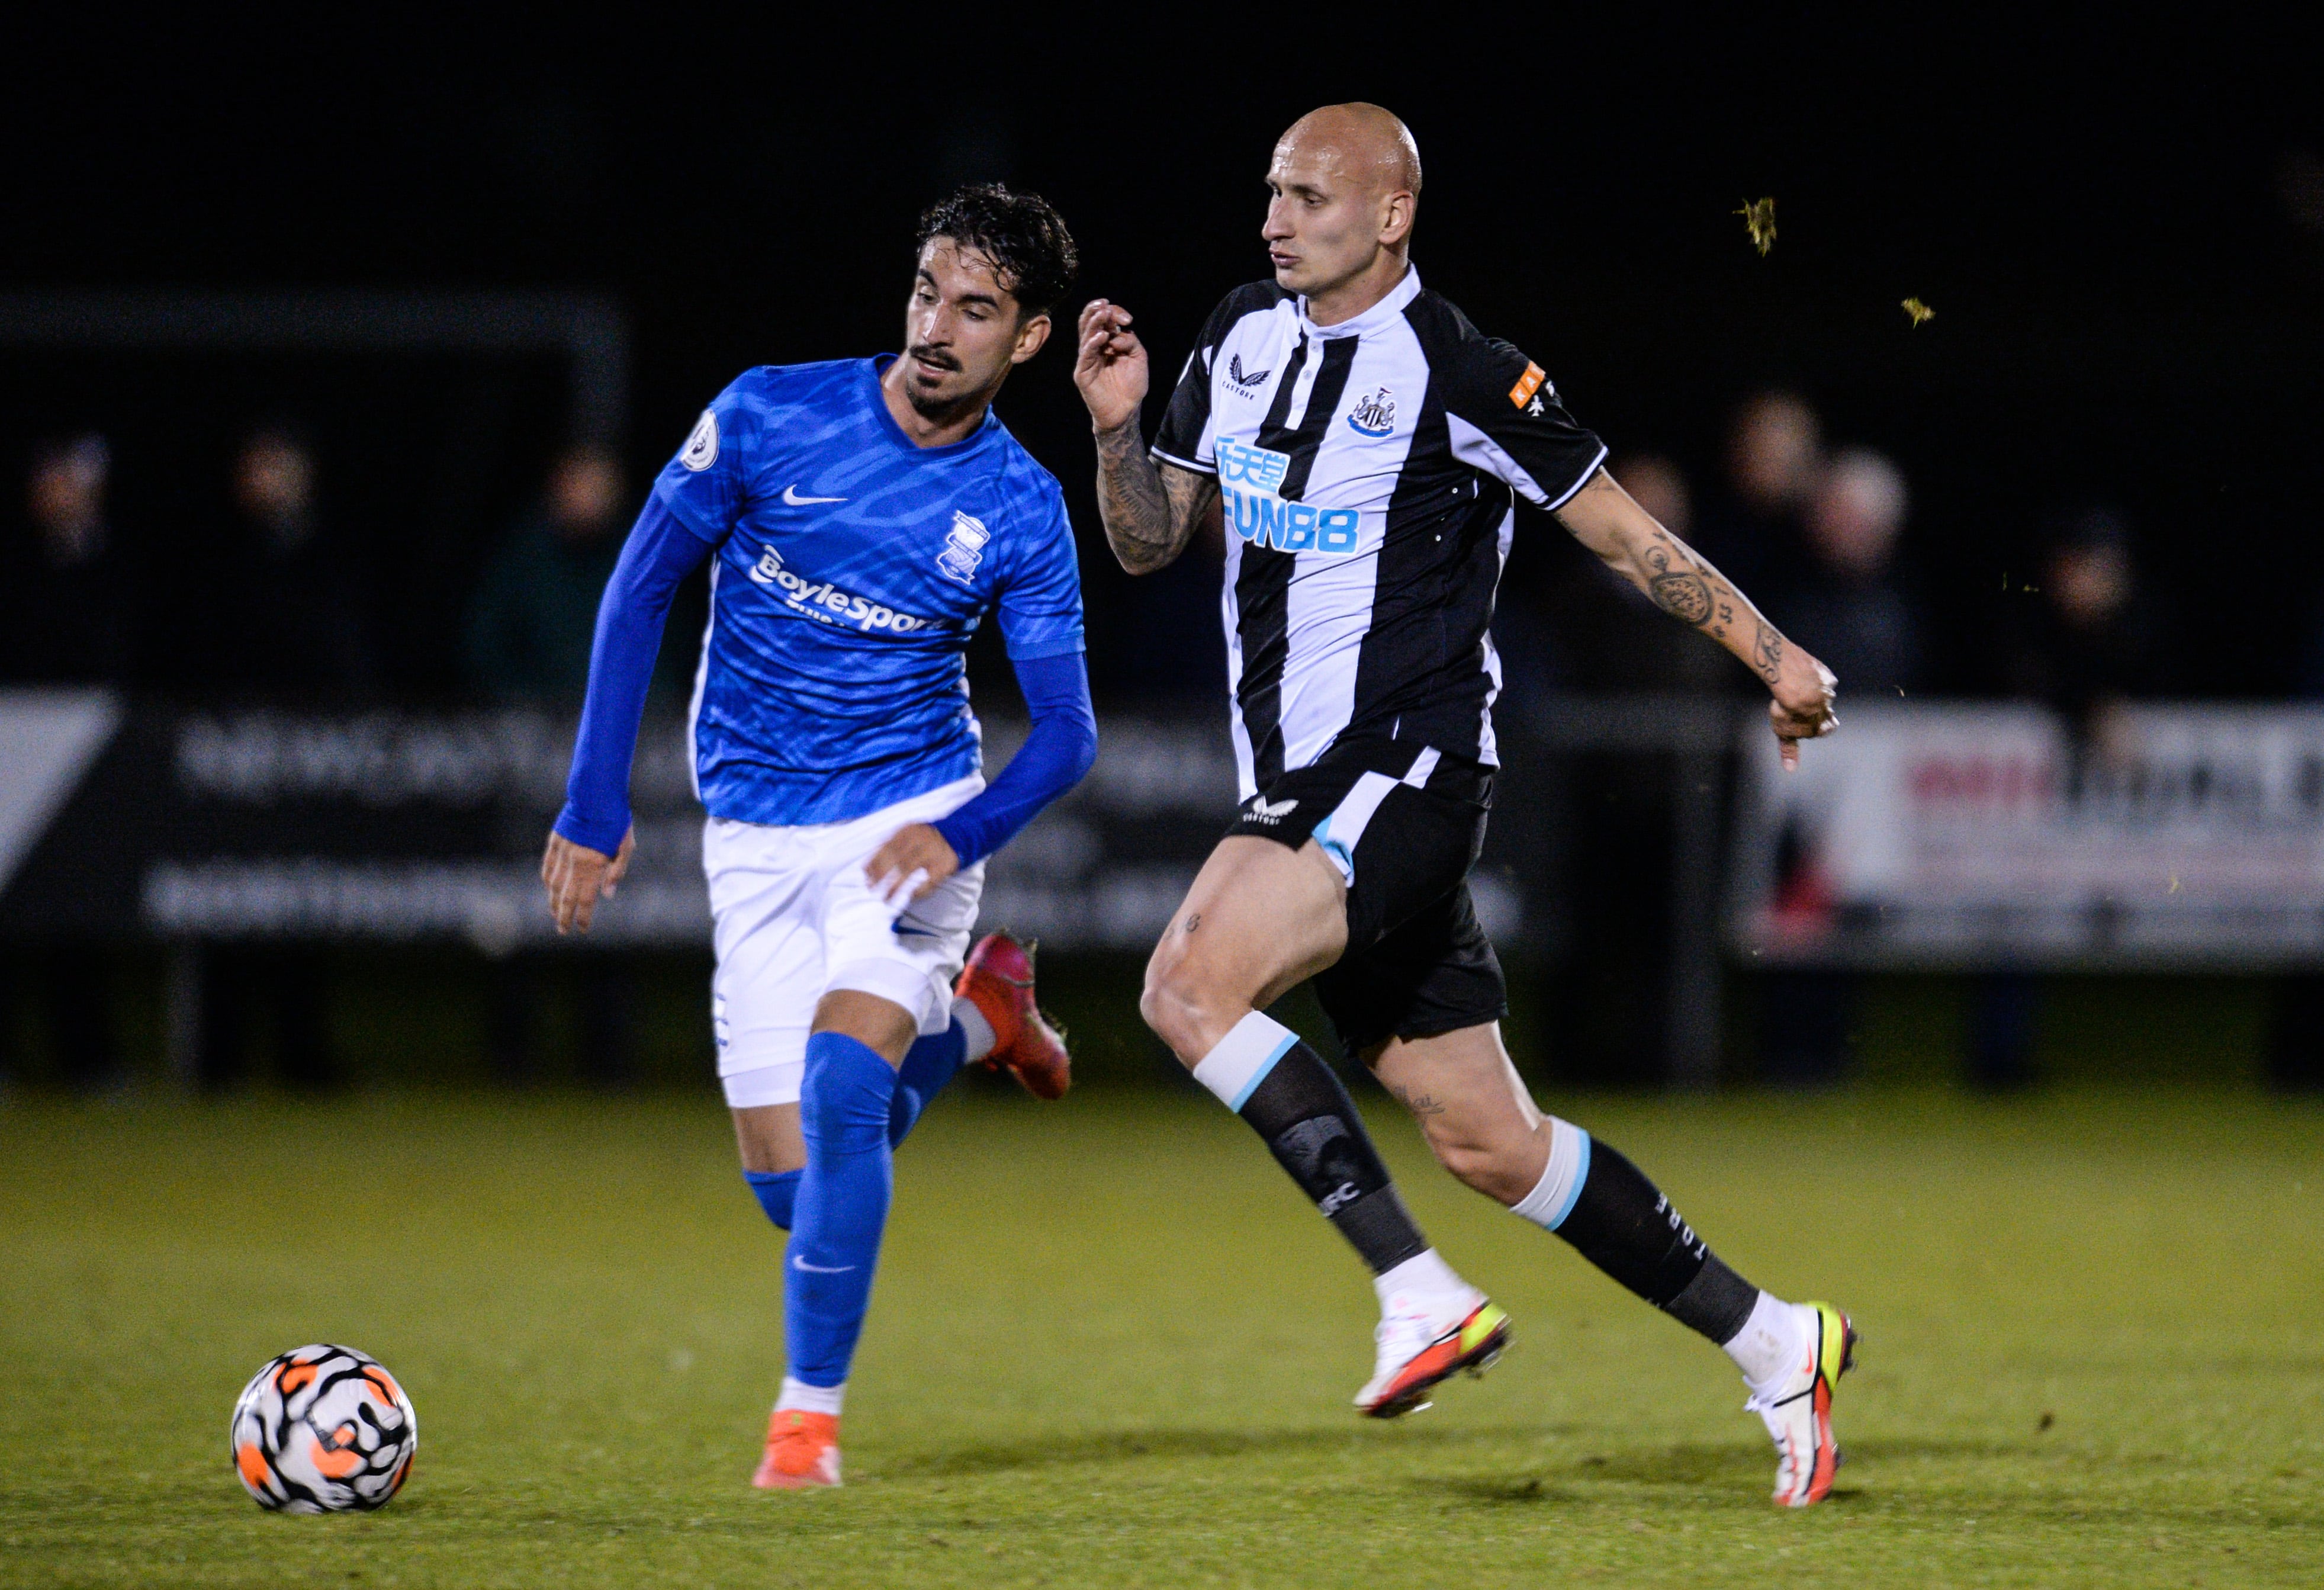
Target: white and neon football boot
[(1424, 1339), (1797, 1409)]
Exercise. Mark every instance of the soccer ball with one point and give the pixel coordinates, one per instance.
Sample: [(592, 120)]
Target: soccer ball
[(323, 1430)]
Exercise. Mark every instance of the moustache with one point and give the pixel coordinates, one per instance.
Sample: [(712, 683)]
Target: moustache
[(934, 356)]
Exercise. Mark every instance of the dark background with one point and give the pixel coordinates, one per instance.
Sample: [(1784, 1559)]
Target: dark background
[(2119, 221)]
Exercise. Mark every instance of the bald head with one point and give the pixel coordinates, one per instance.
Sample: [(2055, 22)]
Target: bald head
[(1365, 144), (1345, 181)]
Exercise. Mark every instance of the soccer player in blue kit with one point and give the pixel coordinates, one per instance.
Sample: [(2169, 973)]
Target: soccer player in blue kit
[(860, 518)]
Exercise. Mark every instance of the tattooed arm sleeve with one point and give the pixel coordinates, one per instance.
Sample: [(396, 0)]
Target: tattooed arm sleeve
[(1675, 578), (1150, 509)]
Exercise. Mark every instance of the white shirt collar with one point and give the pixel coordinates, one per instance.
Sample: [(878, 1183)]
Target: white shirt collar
[(1372, 318)]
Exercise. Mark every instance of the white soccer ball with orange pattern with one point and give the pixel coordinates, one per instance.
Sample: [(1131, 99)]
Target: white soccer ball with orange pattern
[(323, 1430)]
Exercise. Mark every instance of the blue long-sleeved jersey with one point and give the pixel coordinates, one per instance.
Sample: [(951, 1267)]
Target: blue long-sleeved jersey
[(849, 569)]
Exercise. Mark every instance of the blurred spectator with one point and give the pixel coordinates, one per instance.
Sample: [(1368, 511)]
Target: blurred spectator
[(1847, 609), (1568, 622), (67, 616), (299, 638), (302, 633), (2096, 637), (535, 610), (2089, 639), (71, 616), (1657, 485), (1774, 458), (530, 630)]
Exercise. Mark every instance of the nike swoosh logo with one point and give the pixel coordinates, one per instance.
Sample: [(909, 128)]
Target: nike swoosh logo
[(799, 1263), (793, 500)]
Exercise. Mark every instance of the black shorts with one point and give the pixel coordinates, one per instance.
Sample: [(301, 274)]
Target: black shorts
[(1403, 824)]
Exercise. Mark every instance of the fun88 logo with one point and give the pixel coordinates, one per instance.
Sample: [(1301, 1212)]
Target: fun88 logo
[(1249, 479)]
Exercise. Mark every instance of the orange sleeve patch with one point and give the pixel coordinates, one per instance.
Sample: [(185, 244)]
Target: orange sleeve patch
[(1527, 384)]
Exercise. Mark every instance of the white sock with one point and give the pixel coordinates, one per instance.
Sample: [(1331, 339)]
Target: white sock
[(1241, 1060), (972, 1023), (806, 1399), (1552, 1198), (1770, 1345), (1424, 1279)]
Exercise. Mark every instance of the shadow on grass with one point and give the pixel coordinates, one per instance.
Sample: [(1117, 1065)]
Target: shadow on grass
[(1690, 1464), (1741, 1465), (1132, 1446)]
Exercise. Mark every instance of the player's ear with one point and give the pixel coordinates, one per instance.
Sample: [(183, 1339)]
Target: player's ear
[(1031, 335), (1396, 218)]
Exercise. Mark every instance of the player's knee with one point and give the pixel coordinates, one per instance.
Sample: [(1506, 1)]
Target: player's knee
[(1181, 1005), (1489, 1167), (844, 1095), (1171, 1017)]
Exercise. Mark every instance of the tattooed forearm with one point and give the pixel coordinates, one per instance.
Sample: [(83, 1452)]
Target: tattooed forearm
[(1768, 652), (1682, 593), (1137, 511), (1682, 583), (1675, 578)]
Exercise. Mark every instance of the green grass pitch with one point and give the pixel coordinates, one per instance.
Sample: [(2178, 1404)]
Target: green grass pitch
[(1109, 1346)]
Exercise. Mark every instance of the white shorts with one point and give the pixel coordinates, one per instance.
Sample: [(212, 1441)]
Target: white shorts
[(794, 918)]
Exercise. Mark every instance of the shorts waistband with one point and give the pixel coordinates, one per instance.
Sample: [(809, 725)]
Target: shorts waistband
[(926, 805), (1411, 764)]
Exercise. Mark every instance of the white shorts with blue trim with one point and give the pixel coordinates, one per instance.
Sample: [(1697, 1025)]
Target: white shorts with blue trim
[(794, 918)]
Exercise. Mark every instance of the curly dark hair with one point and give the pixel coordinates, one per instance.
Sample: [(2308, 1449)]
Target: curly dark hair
[(1018, 232)]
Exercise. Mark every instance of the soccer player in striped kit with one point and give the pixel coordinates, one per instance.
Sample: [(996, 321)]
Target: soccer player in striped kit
[(860, 518), (1365, 444)]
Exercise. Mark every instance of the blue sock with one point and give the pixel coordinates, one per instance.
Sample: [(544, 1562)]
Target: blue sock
[(777, 1191), (843, 1205), (928, 1065)]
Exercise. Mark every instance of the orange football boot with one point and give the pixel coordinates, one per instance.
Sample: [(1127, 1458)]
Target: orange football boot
[(999, 981), (802, 1450)]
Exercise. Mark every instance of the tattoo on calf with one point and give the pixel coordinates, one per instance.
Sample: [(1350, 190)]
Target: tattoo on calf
[(1419, 1103), (1193, 921)]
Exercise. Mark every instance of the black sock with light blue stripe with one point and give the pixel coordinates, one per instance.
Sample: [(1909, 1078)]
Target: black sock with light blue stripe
[(1297, 1103), (1596, 1199)]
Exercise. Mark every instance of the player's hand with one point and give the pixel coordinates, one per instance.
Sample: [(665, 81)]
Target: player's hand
[(910, 865), (578, 877), (1109, 364), (1801, 707)]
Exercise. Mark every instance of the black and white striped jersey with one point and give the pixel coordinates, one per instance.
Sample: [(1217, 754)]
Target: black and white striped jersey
[(1367, 471)]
